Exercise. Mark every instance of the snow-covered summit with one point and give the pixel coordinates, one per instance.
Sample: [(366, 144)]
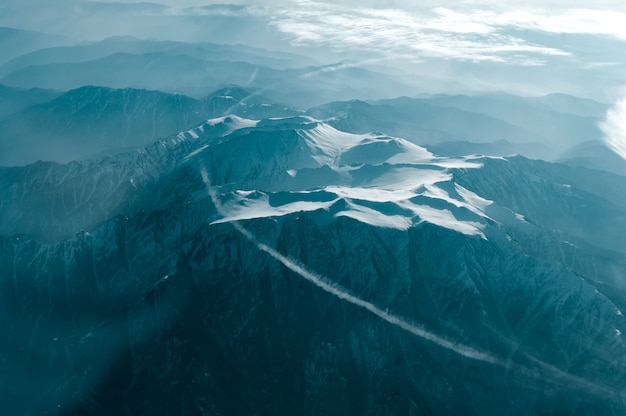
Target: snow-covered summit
[(282, 166), (218, 127)]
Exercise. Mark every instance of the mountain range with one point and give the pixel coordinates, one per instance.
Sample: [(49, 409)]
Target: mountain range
[(283, 266), (16, 42), (126, 62), (203, 228), (90, 120)]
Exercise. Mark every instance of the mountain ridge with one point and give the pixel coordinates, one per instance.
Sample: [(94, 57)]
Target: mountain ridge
[(92, 120), (292, 264)]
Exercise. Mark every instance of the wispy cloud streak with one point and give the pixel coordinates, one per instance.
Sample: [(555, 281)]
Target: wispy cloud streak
[(466, 35), (614, 128), (440, 33)]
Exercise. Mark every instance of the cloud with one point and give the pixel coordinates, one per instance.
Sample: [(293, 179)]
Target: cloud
[(230, 10), (570, 21), (467, 32), (439, 33), (614, 128)]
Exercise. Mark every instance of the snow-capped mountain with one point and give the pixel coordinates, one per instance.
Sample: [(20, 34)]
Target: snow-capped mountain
[(282, 266), (494, 124)]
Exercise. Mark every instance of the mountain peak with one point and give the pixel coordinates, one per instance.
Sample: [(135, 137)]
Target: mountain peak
[(233, 91)]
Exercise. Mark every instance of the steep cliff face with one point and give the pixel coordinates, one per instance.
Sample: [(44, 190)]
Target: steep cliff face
[(283, 267)]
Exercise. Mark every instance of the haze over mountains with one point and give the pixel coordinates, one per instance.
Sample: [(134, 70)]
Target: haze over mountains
[(127, 62), (311, 208), (91, 119)]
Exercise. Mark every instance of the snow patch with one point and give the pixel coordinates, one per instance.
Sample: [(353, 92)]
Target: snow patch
[(242, 208), (472, 199), (230, 123), (327, 143), (409, 178), (195, 152), (382, 181), (446, 219), (378, 207)]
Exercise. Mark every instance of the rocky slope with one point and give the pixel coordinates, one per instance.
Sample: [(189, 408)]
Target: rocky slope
[(281, 266)]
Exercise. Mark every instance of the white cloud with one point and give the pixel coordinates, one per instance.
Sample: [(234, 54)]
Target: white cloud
[(439, 33), (571, 21), (614, 128), (218, 10), (469, 30)]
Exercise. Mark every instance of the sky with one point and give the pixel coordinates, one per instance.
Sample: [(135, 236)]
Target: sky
[(473, 31), (527, 46)]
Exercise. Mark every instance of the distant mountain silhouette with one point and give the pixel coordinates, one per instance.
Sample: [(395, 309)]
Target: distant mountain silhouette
[(419, 121), (560, 121), (129, 45), (90, 120), (16, 42), (594, 154), (14, 99)]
